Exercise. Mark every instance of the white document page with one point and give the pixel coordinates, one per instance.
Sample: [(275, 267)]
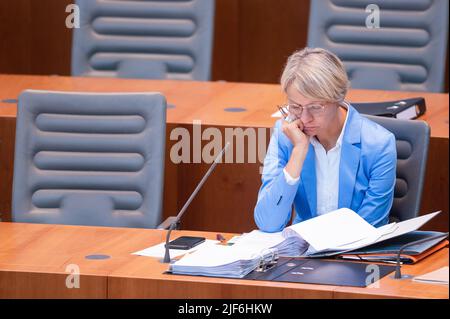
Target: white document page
[(159, 250), (257, 238), (388, 231), (369, 240), (409, 225), (338, 228), (439, 276)]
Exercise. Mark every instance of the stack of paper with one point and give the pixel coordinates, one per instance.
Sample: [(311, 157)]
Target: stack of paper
[(221, 261), (258, 240), (236, 261)]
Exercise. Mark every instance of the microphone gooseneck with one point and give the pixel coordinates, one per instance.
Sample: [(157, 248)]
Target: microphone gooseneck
[(176, 223), (398, 273)]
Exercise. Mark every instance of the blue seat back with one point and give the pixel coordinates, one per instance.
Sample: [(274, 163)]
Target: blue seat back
[(169, 39), (406, 53), (89, 159), (412, 140)]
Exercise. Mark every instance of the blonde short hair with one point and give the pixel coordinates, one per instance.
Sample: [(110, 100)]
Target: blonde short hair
[(317, 74)]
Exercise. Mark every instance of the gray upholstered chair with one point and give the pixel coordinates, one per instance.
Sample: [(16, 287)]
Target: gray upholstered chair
[(89, 159), (169, 39), (412, 139), (406, 53)]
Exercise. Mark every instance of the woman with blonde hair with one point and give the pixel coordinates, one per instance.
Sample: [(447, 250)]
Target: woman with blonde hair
[(324, 155)]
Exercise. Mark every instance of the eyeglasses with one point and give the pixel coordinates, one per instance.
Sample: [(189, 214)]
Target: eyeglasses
[(314, 109)]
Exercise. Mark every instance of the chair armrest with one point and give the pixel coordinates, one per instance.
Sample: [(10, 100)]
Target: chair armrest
[(166, 224)]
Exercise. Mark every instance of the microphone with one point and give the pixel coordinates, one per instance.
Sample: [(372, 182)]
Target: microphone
[(398, 273), (188, 202)]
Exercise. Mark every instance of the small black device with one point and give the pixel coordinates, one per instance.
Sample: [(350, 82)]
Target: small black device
[(185, 242)]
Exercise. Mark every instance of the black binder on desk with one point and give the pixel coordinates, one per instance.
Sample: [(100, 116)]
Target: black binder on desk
[(324, 272), (318, 271), (406, 109)]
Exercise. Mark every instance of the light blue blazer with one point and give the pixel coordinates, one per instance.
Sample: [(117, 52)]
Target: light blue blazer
[(367, 176)]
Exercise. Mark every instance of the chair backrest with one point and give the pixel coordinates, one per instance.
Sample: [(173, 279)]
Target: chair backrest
[(170, 39), (406, 53), (89, 159), (412, 139)]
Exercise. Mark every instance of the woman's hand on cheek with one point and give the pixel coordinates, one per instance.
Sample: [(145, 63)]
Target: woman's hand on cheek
[(294, 131)]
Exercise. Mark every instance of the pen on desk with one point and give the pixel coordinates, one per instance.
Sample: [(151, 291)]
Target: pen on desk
[(220, 238)]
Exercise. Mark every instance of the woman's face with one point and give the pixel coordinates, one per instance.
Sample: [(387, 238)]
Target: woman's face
[(316, 116)]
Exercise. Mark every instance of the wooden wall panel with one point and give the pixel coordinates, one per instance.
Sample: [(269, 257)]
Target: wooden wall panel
[(170, 199), (50, 40), (225, 60), (34, 38), (435, 188), (226, 201), (269, 32), (14, 36), (7, 145)]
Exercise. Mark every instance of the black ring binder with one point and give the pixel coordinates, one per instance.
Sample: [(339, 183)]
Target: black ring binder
[(266, 265)]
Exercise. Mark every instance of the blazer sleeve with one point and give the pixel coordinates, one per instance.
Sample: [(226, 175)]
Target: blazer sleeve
[(379, 196), (275, 197)]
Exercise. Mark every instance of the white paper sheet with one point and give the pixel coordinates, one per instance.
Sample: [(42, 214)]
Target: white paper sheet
[(439, 276), (159, 250), (338, 228), (259, 238), (409, 225), (386, 232)]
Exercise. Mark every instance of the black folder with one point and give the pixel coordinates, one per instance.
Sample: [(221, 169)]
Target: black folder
[(319, 271), (324, 272), (403, 109)]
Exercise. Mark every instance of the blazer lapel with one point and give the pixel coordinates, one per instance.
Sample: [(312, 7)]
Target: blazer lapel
[(308, 177), (350, 156)]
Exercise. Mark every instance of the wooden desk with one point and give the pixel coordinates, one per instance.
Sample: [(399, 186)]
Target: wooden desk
[(226, 202), (34, 260)]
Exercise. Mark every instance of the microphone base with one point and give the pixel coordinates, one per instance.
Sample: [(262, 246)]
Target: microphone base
[(162, 261), (403, 277)]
